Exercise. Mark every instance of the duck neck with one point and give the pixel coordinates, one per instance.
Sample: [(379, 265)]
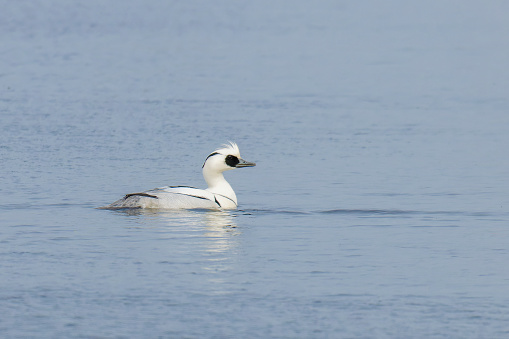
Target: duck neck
[(218, 184)]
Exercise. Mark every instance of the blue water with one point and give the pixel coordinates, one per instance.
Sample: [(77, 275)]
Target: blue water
[(378, 207)]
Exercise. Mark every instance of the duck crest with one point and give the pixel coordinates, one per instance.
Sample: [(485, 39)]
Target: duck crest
[(229, 148)]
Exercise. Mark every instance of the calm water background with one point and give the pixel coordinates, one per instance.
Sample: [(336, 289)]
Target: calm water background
[(379, 207)]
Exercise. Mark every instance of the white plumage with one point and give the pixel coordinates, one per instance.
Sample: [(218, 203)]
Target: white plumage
[(219, 193)]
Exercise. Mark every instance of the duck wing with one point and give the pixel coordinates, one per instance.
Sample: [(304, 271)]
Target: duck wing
[(169, 197)]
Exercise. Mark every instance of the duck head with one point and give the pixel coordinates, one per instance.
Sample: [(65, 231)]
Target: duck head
[(221, 160), (224, 159)]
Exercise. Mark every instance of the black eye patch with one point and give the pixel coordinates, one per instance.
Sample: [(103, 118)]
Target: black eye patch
[(231, 160)]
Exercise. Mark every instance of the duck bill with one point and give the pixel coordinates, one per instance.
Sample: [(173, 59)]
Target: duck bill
[(244, 163)]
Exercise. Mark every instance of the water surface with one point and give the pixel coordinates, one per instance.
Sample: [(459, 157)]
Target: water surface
[(377, 209)]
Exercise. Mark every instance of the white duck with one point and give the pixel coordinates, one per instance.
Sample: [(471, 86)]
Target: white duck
[(219, 194)]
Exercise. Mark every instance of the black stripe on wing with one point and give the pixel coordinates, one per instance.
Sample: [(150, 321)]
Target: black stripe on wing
[(199, 197), (182, 186), (191, 195), (224, 196), (140, 195)]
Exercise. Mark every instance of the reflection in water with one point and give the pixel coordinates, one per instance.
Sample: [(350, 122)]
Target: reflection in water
[(215, 231), (220, 248)]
